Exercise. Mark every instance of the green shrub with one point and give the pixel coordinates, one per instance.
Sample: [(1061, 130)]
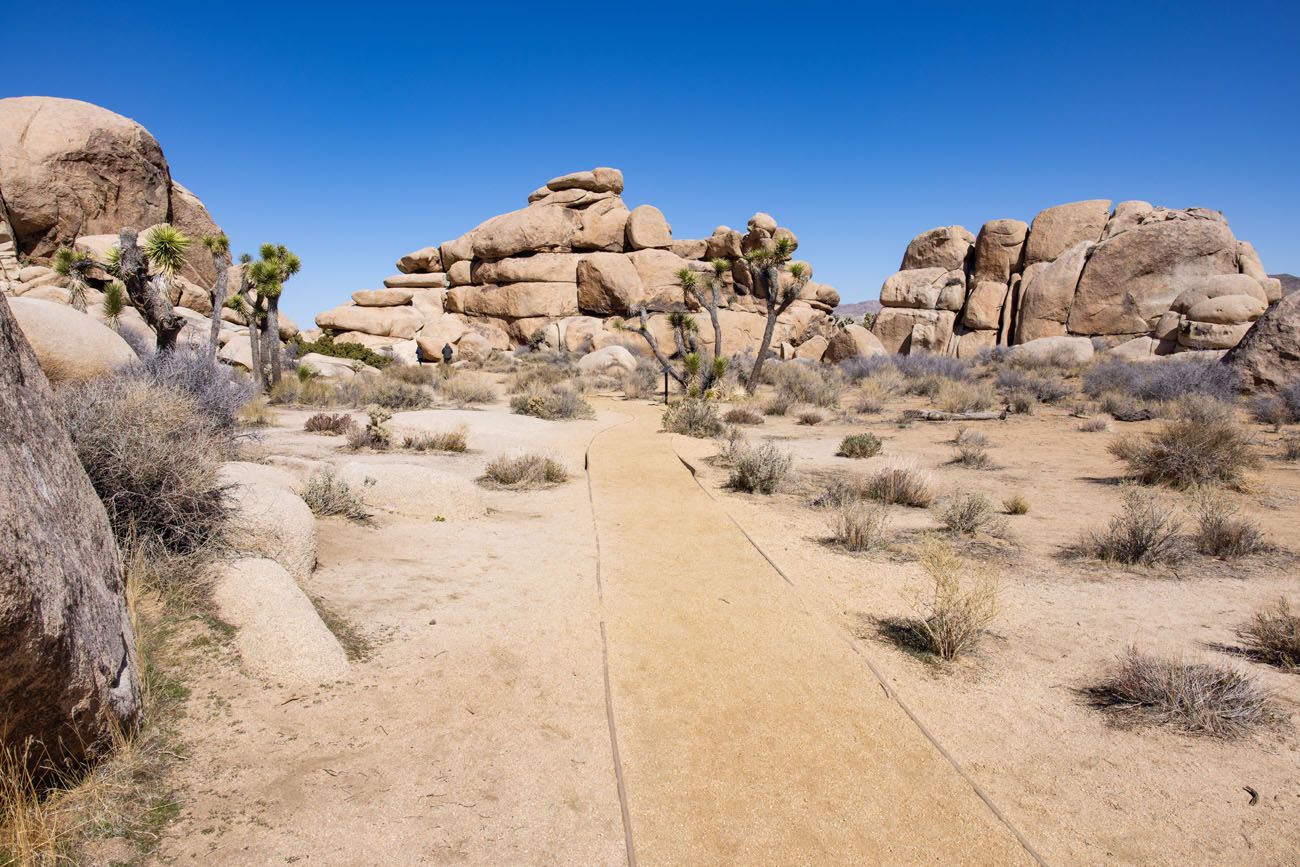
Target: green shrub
[(694, 417), (558, 401), (863, 445), (325, 345), (971, 513)]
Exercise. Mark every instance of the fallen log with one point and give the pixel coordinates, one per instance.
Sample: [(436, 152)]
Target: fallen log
[(938, 415)]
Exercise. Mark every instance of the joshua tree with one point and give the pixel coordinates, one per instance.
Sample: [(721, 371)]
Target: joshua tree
[(267, 275), (73, 264), (247, 304), (164, 249), (219, 246), (709, 301), (765, 266), (114, 304)]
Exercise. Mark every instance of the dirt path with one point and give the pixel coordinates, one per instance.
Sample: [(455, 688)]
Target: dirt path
[(749, 731)]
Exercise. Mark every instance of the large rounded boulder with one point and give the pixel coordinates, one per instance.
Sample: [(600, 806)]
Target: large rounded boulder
[(70, 345), (1268, 356)]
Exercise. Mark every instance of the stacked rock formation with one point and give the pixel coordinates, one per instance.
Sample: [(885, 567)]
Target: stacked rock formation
[(73, 175), (1141, 279), (564, 271)]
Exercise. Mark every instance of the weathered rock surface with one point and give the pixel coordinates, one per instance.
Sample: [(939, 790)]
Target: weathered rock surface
[(852, 341), (1268, 355), (70, 678), (611, 360), (608, 285), (70, 345), (947, 247), (647, 228), (268, 519), (1057, 229)]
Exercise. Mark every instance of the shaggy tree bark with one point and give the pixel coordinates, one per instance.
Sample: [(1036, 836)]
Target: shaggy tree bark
[(769, 276), (272, 329), (644, 328), (219, 261), (148, 295), (70, 683)]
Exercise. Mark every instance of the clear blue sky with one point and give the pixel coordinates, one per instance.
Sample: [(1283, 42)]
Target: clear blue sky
[(356, 133)]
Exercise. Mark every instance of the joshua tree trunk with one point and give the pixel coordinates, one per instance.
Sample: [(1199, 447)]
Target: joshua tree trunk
[(771, 276), (273, 336), (149, 296), (255, 350), (218, 301), (654, 347)]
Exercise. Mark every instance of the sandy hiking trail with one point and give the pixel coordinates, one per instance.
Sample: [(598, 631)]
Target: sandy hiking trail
[(749, 730)]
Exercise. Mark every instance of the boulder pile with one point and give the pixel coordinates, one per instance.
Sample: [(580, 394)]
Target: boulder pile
[(564, 272), (73, 175), (1141, 279)]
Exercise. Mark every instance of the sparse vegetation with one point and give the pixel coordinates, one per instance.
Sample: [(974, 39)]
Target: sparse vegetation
[(693, 417), (524, 471), (969, 513), (456, 440), (810, 418), (325, 345), (257, 413), (964, 396), (970, 447), (901, 484), (742, 415), (1290, 450), (1273, 636), (326, 494), (1016, 504), (797, 382), (375, 435), (863, 445), (468, 389), (1143, 532), (1220, 529), (954, 610), (859, 526), (1094, 425), (1195, 698), (1161, 381), (1199, 447), (558, 401), (330, 423), (760, 469)]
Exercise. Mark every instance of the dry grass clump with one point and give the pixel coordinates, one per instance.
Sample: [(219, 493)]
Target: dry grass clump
[(863, 445), (386, 390), (1016, 504), (811, 418), (455, 440), (639, 383), (415, 374), (1162, 381), (901, 484), (808, 383), (330, 423), (558, 401), (153, 456), (964, 396), (326, 494), (256, 413), (969, 513), (954, 610), (778, 404), (693, 417), (1290, 449), (375, 435), (760, 469), (1093, 425), (1273, 636), (742, 415), (1200, 447), (468, 389), (1221, 531), (970, 447), (540, 374), (524, 471), (872, 396), (1195, 698), (307, 389), (1143, 533), (859, 526), (1019, 385)]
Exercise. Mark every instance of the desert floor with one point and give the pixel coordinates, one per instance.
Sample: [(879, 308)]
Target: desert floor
[(642, 659)]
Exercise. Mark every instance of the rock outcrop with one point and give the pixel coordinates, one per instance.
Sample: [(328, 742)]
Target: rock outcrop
[(1151, 279), (70, 681), (1268, 356), (70, 345), (563, 272)]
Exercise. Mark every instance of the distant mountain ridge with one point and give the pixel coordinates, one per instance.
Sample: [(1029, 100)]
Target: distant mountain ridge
[(1290, 283), (857, 309)]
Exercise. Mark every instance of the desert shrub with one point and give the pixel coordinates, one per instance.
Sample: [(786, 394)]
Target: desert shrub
[(415, 374), (954, 610), (1196, 698), (761, 469), (555, 402), (860, 526), (970, 513), (1290, 450), (330, 423), (1142, 532), (256, 413), (307, 389), (152, 454), (902, 485), (970, 447), (1020, 402), (871, 398), (456, 440), (1220, 531), (465, 389), (693, 417), (387, 392), (1093, 425), (810, 418), (325, 345), (1200, 447), (908, 368), (540, 375), (809, 383), (326, 494), (1044, 387), (216, 390), (1016, 504), (639, 383), (1125, 407), (1165, 380), (1273, 636), (964, 396), (863, 445), (375, 435), (523, 471), (742, 415), (778, 404)]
